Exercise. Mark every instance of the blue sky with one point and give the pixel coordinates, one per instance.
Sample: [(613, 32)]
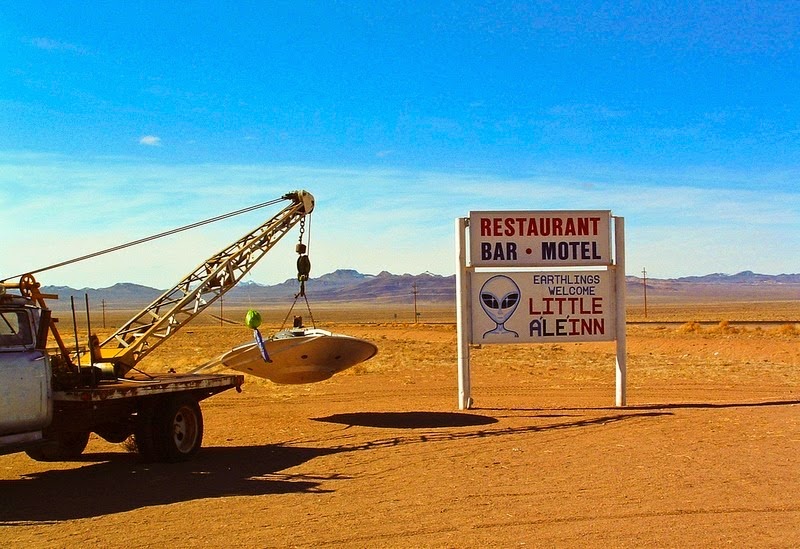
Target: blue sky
[(120, 120)]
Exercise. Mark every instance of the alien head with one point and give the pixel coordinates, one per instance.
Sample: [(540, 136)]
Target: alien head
[(499, 298)]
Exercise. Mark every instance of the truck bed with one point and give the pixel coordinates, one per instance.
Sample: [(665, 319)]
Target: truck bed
[(140, 385)]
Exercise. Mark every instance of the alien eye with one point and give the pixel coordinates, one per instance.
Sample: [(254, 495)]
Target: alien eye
[(490, 301), (510, 300)]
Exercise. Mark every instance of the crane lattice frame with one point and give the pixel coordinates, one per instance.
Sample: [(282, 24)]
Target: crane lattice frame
[(199, 289)]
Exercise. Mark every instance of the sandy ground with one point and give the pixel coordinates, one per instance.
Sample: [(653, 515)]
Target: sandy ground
[(706, 453)]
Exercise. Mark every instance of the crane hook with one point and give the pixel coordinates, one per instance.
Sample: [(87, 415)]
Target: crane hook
[(303, 268)]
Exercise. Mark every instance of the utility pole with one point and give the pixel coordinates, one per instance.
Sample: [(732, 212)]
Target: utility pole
[(220, 311), (644, 281), (103, 302), (416, 314)]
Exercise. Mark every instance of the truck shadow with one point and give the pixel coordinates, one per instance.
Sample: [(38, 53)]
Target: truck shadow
[(118, 482)]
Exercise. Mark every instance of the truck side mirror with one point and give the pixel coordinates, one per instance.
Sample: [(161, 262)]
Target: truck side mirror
[(43, 329)]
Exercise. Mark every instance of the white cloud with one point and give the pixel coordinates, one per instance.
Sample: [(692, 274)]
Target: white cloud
[(49, 44), (370, 219), (150, 140)]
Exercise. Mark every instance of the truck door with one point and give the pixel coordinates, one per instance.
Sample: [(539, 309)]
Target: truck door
[(25, 390)]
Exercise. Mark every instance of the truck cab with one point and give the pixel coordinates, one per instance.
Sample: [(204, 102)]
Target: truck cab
[(49, 405), (26, 405)]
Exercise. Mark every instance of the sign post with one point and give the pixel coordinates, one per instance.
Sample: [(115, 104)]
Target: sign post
[(462, 318), (537, 277), (622, 372)]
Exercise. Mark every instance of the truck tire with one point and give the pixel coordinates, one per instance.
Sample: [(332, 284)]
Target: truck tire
[(64, 447), (177, 429)]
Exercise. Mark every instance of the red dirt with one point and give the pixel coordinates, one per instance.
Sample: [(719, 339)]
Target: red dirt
[(706, 453)]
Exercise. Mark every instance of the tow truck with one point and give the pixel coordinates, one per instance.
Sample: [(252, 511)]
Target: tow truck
[(53, 397)]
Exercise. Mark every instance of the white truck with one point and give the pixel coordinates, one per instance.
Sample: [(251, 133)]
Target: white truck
[(53, 397)]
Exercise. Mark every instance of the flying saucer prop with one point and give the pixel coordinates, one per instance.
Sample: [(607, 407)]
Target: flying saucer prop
[(300, 355)]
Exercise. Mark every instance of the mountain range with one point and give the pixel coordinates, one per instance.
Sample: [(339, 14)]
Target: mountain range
[(350, 285)]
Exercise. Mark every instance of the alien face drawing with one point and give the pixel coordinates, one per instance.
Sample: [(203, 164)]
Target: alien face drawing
[(499, 300)]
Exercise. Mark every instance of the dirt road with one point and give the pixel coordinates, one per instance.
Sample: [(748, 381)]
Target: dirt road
[(707, 453)]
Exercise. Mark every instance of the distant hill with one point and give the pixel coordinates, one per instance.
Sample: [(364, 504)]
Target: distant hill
[(745, 277), (350, 285), (120, 293), (748, 278), (340, 285), (745, 285)]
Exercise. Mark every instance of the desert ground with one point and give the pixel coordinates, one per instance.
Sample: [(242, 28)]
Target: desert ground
[(705, 454)]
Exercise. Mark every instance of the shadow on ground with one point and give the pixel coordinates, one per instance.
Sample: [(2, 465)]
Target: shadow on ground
[(117, 482), (652, 406), (409, 420), (679, 405)]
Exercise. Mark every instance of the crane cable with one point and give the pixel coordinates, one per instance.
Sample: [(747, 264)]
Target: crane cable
[(149, 238), (303, 272)]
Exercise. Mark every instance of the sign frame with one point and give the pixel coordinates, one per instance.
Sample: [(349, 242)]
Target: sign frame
[(601, 285)]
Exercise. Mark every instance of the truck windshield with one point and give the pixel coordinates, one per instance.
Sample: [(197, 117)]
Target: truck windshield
[(15, 329)]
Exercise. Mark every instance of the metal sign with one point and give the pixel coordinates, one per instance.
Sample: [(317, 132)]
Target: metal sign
[(540, 239), (542, 307), (539, 277)]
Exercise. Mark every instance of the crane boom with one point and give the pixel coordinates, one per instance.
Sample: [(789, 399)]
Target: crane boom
[(198, 290)]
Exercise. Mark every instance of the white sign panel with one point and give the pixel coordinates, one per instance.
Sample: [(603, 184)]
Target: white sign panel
[(540, 307), (540, 239)]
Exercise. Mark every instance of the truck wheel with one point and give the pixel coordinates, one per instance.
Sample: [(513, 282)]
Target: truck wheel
[(177, 429), (64, 447)]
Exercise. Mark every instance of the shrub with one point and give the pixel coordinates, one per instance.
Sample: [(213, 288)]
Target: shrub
[(690, 327)]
